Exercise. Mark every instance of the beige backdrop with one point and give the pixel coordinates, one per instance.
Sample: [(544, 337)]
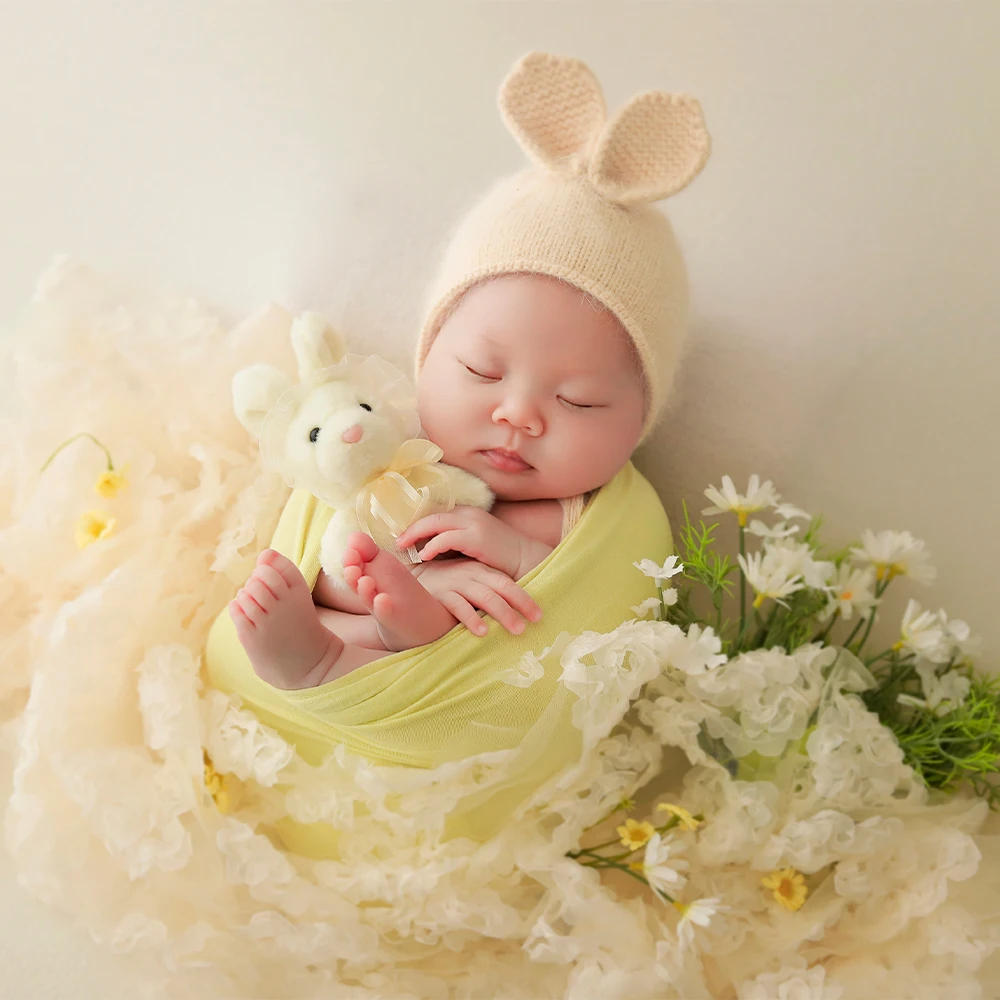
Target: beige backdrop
[(842, 241)]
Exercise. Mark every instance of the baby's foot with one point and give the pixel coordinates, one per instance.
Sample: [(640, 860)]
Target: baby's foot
[(277, 624), (406, 613)]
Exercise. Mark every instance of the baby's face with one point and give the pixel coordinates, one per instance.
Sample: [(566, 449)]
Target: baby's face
[(533, 389)]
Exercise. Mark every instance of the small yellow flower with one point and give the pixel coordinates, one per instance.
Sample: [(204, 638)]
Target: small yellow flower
[(634, 835), (788, 887), (687, 821), (110, 483), (93, 525), (625, 805), (216, 785)]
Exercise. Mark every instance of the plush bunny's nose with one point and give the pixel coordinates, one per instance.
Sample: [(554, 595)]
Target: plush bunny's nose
[(352, 435)]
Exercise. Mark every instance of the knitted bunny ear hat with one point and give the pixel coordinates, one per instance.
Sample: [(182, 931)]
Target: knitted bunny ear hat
[(583, 211)]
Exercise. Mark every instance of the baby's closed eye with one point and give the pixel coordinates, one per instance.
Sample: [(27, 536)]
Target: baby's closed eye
[(483, 376), (578, 406)]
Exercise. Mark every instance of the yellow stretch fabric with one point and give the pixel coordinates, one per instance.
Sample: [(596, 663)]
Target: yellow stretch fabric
[(447, 700)]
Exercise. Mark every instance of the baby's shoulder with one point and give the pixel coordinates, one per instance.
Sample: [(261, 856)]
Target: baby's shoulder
[(538, 519)]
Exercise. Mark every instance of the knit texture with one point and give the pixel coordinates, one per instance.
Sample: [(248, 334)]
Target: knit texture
[(583, 211)]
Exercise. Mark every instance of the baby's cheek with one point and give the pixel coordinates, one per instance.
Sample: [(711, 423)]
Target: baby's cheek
[(440, 414)]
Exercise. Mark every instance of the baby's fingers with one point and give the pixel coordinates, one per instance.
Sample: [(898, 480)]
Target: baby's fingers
[(447, 541), (485, 597), (426, 527), (516, 597), (464, 612)]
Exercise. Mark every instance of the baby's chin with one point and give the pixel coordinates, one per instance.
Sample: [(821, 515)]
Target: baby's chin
[(528, 487)]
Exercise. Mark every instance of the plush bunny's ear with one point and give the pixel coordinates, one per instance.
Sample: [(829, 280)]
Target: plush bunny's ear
[(655, 146), (255, 391), (316, 344), (554, 107)]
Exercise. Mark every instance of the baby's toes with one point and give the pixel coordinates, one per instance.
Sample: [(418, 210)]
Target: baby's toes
[(270, 578), (383, 608), (363, 544), (245, 611), (352, 574), (367, 591), (284, 566), (259, 593)]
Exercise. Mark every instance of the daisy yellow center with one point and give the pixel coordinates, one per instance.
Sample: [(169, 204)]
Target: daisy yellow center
[(788, 886), (846, 595), (634, 835)]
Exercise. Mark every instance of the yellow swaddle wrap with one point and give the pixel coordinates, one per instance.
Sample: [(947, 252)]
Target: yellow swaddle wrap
[(462, 695)]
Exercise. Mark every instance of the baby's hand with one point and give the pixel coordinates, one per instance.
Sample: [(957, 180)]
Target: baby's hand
[(478, 535), (462, 586)]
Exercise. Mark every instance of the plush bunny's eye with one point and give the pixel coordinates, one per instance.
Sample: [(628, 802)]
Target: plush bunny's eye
[(313, 434), (366, 406)]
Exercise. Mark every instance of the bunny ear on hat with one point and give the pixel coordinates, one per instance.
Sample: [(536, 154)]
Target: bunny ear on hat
[(655, 146), (554, 107)]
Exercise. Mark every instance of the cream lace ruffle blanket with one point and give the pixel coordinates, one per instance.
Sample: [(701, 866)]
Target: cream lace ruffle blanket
[(106, 720)]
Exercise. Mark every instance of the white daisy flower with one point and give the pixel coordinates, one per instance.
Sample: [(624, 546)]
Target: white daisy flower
[(757, 497), (772, 574), (895, 553), (780, 530), (662, 878), (660, 573), (851, 589), (951, 690), (960, 636), (651, 604), (942, 694), (789, 512), (921, 634), (699, 912), (815, 573)]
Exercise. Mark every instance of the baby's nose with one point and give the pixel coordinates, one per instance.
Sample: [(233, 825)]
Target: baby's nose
[(352, 435)]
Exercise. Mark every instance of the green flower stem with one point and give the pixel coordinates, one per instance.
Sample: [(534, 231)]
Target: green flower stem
[(881, 656), (662, 615), (623, 868), (111, 466), (822, 636), (857, 629), (868, 632), (895, 682), (743, 587), (763, 626), (879, 591)]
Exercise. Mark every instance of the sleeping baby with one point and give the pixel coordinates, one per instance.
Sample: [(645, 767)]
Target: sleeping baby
[(548, 347)]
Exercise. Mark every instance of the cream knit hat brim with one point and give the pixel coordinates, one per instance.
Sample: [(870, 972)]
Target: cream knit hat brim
[(582, 214)]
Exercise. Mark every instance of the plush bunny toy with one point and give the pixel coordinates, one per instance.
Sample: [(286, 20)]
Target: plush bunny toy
[(347, 433)]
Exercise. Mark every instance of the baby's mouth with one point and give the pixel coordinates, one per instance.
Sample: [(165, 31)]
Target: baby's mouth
[(505, 460)]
